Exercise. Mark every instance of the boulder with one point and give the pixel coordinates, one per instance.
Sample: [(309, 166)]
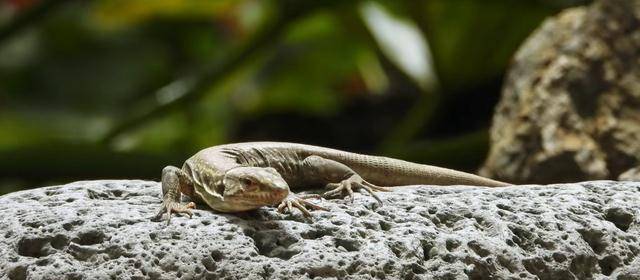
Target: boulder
[(569, 109), (632, 174), (102, 230)]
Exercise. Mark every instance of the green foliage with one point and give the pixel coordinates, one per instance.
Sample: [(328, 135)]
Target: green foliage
[(474, 40), (310, 45), (69, 76)]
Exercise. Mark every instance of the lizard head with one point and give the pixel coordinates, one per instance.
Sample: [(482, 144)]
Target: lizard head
[(245, 188)]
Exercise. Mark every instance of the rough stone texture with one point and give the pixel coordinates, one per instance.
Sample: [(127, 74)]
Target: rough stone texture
[(632, 174), (570, 107), (101, 230)]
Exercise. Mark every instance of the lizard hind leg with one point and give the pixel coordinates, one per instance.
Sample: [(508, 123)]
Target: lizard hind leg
[(174, 181), (355, 182), (331, 171)]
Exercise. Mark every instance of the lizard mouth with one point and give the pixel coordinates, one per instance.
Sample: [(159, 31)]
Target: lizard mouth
[(258, 198), (247, 201)]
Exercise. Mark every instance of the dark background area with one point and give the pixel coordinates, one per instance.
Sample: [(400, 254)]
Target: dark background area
[(119, 89)]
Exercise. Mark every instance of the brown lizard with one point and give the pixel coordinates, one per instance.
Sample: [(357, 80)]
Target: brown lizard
[(244, 176)]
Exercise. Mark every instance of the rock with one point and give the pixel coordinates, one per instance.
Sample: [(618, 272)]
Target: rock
[(570, 105), (632, 174), (101, 230)]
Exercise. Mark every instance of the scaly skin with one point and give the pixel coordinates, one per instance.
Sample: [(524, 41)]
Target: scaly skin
[(243, 176)]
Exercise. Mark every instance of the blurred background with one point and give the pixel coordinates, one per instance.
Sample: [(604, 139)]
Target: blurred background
[(121, 88)]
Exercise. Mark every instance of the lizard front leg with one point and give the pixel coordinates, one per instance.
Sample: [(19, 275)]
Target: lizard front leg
[(300, 202), (339, 177), (175, 182)]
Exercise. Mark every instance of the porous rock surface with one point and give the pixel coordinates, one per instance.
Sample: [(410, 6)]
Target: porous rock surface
[(101, 230), (570, 106)]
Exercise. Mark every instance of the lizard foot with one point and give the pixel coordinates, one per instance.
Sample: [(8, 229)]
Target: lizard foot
[(355, 182), (298, 201), (174, 207)]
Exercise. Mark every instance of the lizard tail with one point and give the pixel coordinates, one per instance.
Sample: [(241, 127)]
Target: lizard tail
[(386, 171)]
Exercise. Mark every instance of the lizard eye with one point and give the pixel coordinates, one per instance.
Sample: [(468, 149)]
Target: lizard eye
[(246, 182)]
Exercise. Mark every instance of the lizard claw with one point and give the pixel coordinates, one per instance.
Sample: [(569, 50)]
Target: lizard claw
[(295, 201), (352, 183), (174, 207)]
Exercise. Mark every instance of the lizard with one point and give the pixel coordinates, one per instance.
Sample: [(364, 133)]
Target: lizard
[(244, 176)]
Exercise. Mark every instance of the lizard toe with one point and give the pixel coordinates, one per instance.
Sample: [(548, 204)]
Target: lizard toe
[(366, 190), (174, 207), (352, 183), (336, 190), (302, 209), (299, 202)]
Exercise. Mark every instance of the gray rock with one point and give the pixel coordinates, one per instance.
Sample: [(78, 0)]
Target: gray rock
[(101, 230), (569, 106)]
